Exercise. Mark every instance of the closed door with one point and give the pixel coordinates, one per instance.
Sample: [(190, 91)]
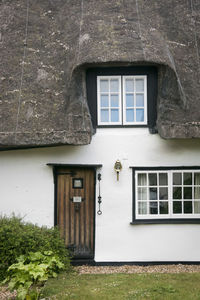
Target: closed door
[(75, 210)]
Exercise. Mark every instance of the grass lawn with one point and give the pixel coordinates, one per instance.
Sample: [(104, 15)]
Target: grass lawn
[(124, 286)]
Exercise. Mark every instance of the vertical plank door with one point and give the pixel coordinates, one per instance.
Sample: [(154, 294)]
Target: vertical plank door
[(75, 210)]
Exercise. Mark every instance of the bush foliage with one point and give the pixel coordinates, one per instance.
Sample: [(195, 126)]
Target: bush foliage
[(19, 238), (30, 272)]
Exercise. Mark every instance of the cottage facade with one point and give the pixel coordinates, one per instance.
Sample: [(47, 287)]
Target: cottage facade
[(100, 126)]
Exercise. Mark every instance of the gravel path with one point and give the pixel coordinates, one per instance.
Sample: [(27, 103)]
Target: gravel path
[(5, 294), (138, 269)]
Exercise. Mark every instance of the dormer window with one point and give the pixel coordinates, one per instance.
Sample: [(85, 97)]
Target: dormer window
[(123, 96), (122, 100)]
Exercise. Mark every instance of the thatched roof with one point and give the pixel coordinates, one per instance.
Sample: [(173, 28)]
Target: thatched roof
[(46, 47)]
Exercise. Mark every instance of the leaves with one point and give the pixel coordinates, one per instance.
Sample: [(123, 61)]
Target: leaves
[(31, 270)]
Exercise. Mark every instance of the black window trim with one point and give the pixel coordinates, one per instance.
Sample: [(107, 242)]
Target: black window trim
[(149, 71), (159, 221)]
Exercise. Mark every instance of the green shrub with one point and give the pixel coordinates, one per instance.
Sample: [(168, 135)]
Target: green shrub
[(27, 275), (19, 238)]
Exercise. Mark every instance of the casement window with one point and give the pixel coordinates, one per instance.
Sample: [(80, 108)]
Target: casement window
[(172, 194), (122, 96), (122, 100)]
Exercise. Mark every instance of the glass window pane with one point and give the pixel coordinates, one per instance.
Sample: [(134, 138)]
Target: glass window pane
[(163, 208), (104, 100), (142, 193), (197, 178), (152, 179), (187, 207), (139, 115), (130, 115), (114, 100), (142, 179), (163, 179), (163, 193), (177, 178), (140, 100), (187, 178), (104, 115), (114, 115), (197, 207), (177, 192), (114, 85), (177, 207), (104, 85), (187, 192), (129, 100), (153, 208), (129, 85), (139, 85), (197, 192), (142, 208), (153, 194)]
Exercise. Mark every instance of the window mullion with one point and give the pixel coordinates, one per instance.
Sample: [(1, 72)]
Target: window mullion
[(134, 101), (122, 99), (148, 203), (109, 101), (192, 192), (136, 194), (182, 188), (170, 197)]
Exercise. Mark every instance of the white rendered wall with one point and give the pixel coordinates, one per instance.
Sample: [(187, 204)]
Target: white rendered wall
[(27, 189)]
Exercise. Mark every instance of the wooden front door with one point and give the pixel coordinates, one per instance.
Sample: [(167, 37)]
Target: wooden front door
[(75, 209)]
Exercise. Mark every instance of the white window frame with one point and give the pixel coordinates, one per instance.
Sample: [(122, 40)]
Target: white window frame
[(135, 93), (99, 78), (170, 214), (122, 100)]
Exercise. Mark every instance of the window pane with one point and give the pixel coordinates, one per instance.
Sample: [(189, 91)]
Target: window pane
[(163, 180), (139, 85), (142, 179), (197, 178), (129, 100), (140, 100), (142, 208), (153, 194), (129, 85), (163, 193), (130, 115), (114, 115), (197, 207), (177, 178), (104, 85), (114, 100), (187, 192), (153, 208), (187, 207), (152, 179), (163, 208), (197, 192), (139, 115), (177, 207), (187, 178), (114, 85), (142, 193), (177, 193), (104, 100), (104, 115)]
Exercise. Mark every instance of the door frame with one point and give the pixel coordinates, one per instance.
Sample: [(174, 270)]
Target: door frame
[(56, 167)]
